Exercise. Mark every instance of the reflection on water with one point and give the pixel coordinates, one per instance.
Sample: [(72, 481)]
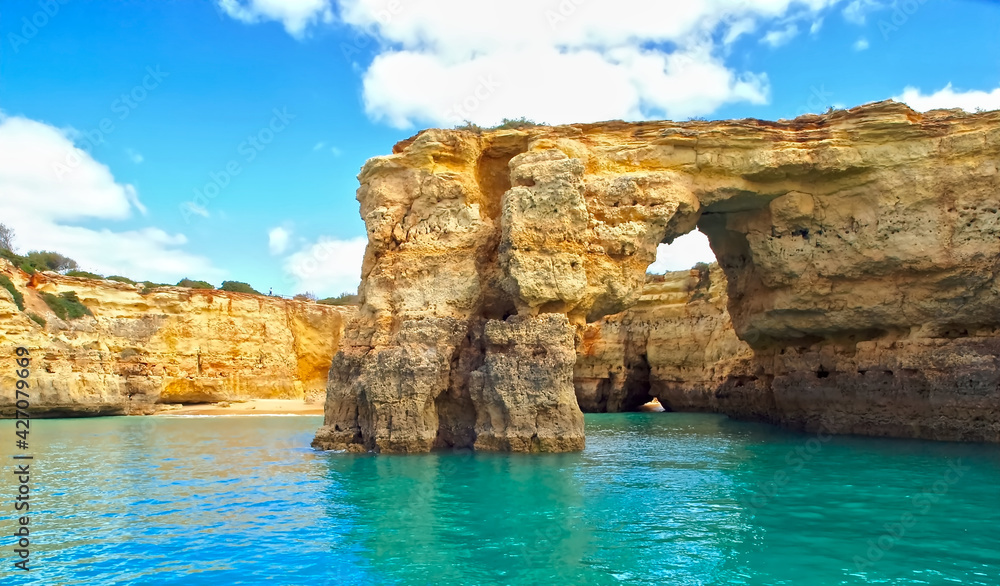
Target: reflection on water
[(656, 498)]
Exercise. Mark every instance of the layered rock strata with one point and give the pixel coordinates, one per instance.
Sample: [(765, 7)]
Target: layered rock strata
[(677, 345), (169, 345), (860, 250)]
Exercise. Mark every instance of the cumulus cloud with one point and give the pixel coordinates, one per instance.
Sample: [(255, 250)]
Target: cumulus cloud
[(295, 15), (683, 253), (329, 266), (47, 185), (777, 38), (277, 240), (947, 97), (631, 59)]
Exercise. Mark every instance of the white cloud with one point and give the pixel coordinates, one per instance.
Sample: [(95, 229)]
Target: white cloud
[(861, 44), (47, 185), (816, 26), (277, 240), (631, 59), (947, 97), (134, 156), (327, 267), (857, 10), (295, 15), (193, 208), (777, 38), (683, 253)]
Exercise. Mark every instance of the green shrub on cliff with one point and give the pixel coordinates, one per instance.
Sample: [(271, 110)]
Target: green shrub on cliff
[(194, 284), (46, 260), (121, 279), (505, 124), (238, 287), (342, 299), (515, 124), (148, 286), (6, 283), (37, 319), (84, 274), (66, 305)]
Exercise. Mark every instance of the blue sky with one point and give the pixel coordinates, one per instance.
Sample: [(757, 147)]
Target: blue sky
[(117, 115)]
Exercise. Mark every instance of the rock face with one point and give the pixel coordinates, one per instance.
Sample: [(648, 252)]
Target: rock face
[(860, 250), (677, 344), (171, 345)]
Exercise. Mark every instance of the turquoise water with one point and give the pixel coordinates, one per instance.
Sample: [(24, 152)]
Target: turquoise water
[(658, 498)]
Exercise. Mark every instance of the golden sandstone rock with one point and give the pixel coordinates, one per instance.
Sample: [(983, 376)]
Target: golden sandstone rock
[(171, 345), (677, 344), (860, 250)]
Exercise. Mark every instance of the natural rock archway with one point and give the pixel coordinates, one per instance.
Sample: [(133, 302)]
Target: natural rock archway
[(849, 241)]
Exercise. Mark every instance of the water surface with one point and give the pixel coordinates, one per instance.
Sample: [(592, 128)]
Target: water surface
[(656, 498)]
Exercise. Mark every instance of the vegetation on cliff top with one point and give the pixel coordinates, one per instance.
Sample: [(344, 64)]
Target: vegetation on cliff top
[(238, 287), (8, 285), (505, 124), (342, 299), (66, 305), (42, 260), (191, 284)]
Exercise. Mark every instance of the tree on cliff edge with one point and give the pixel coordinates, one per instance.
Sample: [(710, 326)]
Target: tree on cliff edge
[(6, 238)]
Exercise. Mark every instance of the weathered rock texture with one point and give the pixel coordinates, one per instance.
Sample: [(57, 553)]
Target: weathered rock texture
[(171, 345), (860, 249), (677, 344)]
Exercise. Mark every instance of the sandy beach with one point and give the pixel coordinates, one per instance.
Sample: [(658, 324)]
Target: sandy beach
[(252, 407)]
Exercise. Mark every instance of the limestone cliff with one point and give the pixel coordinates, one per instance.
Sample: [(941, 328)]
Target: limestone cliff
[(860, 250), (170, 345), (677, 344)]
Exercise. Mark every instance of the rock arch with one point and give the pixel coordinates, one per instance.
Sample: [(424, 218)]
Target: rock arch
[(855, 237)]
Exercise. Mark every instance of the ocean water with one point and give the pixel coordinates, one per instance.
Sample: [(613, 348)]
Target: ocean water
[(656, 498)]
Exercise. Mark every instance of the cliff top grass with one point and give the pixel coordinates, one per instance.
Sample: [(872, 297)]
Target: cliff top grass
[(342, 299), (505, 124), (66, 305), (42, 260), (7, 284)]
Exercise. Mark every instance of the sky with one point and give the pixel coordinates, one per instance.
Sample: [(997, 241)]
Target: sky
[(221, 139)]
